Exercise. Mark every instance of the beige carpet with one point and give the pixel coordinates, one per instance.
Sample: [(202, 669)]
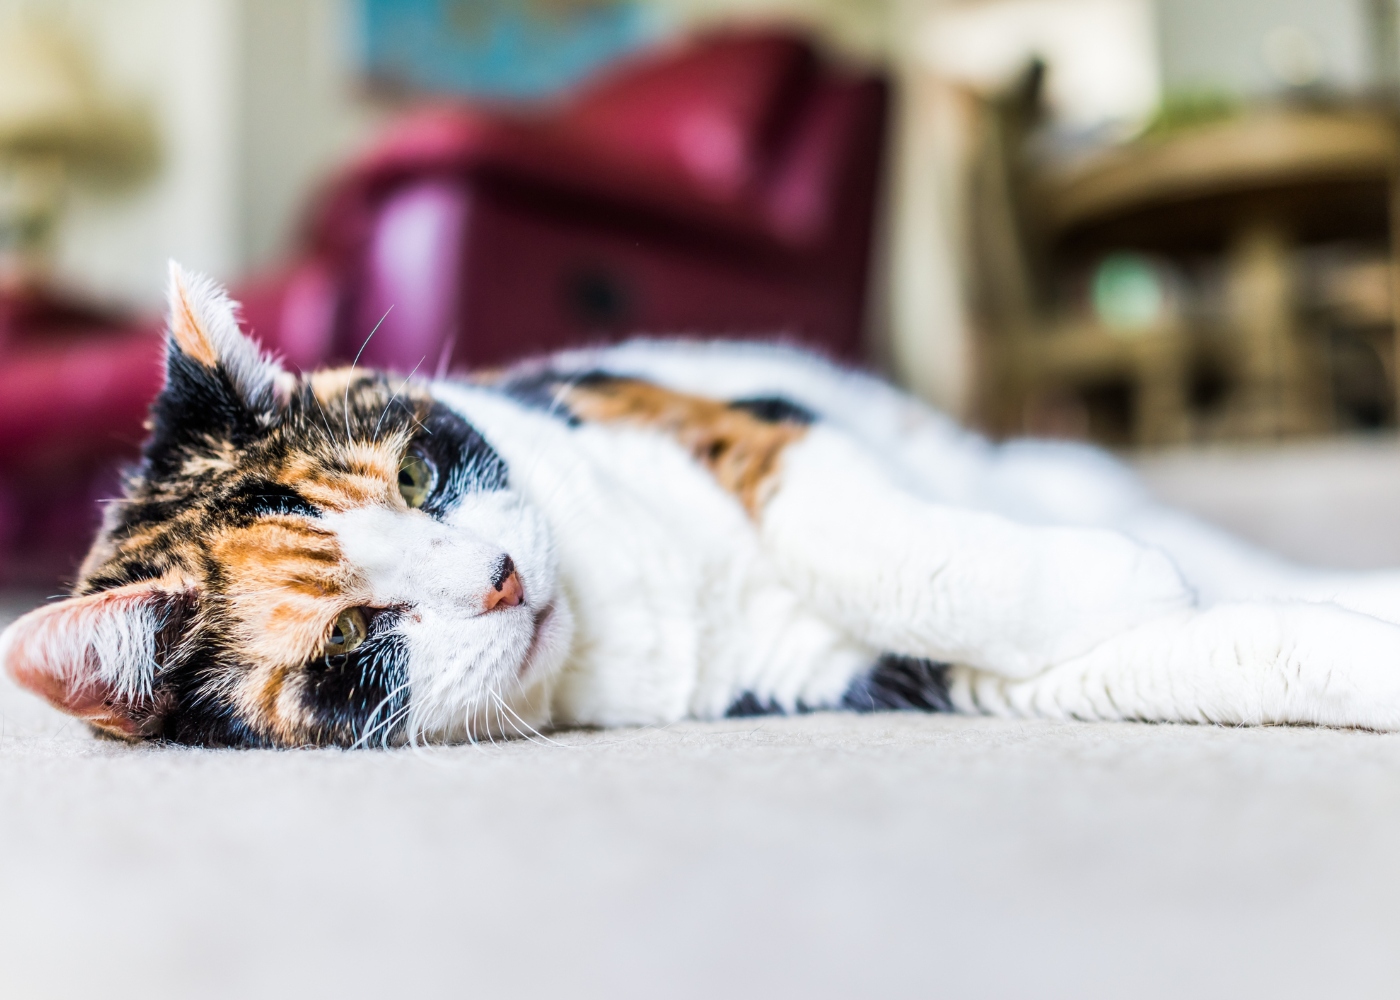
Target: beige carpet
[(826, 856)]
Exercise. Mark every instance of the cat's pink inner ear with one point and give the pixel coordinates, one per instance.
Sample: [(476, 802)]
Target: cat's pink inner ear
[(93, 657), (193, 314)]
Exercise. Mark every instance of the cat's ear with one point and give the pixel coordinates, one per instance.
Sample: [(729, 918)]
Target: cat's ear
[(205, 340), (96, 656)]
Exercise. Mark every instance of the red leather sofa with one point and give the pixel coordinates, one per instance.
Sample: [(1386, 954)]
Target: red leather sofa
[(722, 187), (75, 382)]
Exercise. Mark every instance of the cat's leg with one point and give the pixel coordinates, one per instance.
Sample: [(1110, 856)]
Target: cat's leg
[(921, 579), (1062, 483), (1058, 482), (1375, 592), (1224, 568), (1236, 664)]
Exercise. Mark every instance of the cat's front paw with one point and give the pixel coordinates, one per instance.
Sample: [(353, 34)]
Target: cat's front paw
[(1094, 585)]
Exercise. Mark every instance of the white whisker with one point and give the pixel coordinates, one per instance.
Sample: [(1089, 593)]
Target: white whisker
[(445, 357), (385, 413), (356, 362), (388, 723), (536, 733)]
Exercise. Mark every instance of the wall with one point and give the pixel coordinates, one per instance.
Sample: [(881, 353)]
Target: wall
[(300, 113), (172, 56), (1238, 45)]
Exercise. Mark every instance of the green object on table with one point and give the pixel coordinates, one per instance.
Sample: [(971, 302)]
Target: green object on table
[(1190, 108), (1127, 293)]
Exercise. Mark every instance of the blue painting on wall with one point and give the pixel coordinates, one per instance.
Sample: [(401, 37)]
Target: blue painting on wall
[(496, 48)]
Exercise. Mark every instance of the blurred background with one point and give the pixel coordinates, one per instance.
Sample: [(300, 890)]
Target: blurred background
[(1162, 225)]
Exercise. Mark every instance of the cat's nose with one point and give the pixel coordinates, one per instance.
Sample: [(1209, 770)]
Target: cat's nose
[(506, 591)]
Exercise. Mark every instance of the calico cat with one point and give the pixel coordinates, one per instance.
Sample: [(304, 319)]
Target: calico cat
[(645, 533)]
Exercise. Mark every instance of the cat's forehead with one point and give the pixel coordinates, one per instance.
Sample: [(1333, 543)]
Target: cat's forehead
[(336, 425), (369, 407)]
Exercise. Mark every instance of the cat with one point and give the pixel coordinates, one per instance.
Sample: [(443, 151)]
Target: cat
[(645, 533)]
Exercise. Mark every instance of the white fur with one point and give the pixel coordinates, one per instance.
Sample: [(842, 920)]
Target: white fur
[(678, 607), (470, 673), (124, 646), (1238, 664), (1044, 570), (951, 584)]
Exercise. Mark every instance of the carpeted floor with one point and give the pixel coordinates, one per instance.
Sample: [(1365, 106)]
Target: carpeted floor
[(824, 856)]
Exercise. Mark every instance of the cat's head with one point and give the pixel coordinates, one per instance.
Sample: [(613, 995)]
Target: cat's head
[(333, 558)]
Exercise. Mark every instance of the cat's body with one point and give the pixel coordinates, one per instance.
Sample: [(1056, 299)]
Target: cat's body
[(719, 626), (647, 533)]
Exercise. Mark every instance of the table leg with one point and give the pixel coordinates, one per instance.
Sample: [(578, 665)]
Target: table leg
[(1162, 411), (1282, 381)]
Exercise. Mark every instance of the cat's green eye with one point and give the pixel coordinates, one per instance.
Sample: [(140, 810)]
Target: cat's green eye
[(417, 477), (347, 632)]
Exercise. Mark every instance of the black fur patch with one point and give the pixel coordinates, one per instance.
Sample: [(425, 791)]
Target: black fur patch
[(465, 462), (774, 410), (350, 698), (361, 695), (198, 404), (545, 391), (748, 706), (900, 684), (199, 719), (195, 712), (254, 498), (894, 684), (119, 574)]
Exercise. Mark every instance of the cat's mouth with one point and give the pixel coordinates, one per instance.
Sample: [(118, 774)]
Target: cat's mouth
[(541, 628)]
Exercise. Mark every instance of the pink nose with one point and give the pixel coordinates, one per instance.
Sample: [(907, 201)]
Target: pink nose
[(506, 590)]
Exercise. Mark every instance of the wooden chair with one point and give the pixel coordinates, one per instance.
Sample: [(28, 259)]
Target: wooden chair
[(1030, 351)]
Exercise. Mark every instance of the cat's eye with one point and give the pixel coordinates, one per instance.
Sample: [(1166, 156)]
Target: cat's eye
[(417, 477), (347, 632)]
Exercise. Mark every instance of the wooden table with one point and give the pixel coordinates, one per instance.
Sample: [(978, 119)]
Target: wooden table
[(1254, 188)]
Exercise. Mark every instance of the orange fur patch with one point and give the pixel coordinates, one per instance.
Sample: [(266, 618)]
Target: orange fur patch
[(369, 476), (740, 450), (185, 328), (332, 384), (287, 581)]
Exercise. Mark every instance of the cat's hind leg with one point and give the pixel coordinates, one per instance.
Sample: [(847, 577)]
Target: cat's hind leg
[(926, 580), (1235, 664)]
